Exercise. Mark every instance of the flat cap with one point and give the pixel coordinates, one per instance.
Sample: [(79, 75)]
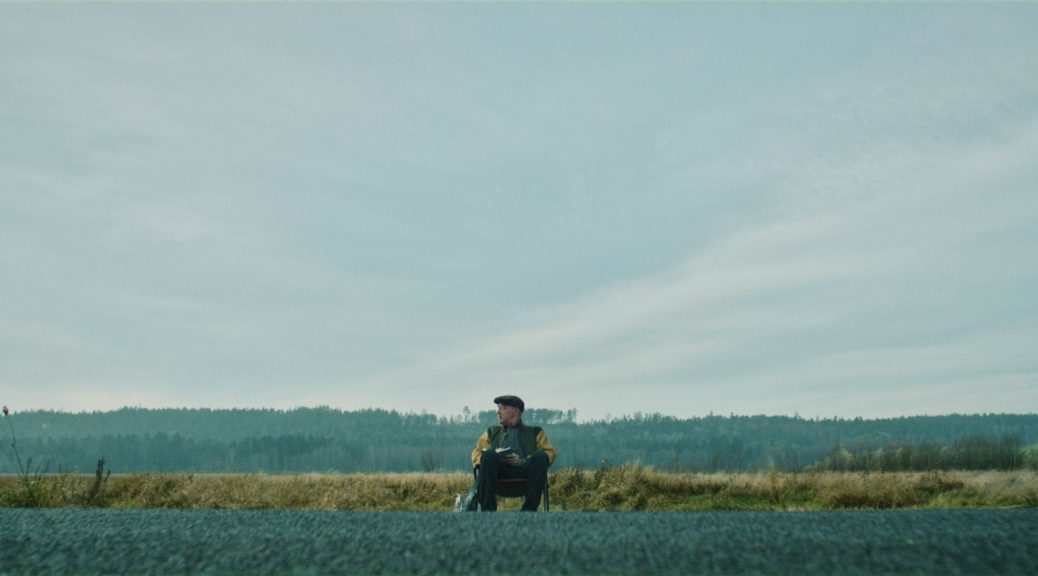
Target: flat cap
[(511, 401)]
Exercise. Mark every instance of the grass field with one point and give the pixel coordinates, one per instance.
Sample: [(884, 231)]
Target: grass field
[(629, 487)]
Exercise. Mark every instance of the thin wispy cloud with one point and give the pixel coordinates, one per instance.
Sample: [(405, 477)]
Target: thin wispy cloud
[(680, 208)]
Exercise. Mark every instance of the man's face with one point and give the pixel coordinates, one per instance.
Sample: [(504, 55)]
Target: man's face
[(507, 415)]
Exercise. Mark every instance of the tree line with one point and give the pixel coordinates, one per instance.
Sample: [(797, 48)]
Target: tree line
[(966, 453), (329, 440)]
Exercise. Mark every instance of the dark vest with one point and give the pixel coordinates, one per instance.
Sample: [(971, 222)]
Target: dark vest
[(527, 437)]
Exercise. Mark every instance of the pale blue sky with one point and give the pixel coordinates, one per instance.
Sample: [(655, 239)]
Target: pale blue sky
[(678, 208)]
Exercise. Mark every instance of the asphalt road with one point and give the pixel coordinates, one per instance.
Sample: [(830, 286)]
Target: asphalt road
[(287, 542)]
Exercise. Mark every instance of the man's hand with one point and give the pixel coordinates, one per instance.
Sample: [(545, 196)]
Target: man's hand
[(513, 460)]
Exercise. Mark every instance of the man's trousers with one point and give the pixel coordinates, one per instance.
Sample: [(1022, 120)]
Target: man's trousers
[(492, 467)]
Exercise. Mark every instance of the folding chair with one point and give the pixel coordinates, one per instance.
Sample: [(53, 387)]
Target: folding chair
[(515, 488)]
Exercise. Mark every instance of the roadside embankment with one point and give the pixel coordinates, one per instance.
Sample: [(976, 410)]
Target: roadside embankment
[(628, 487)]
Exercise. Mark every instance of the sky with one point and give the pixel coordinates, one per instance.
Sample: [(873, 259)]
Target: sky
[(686, 208)]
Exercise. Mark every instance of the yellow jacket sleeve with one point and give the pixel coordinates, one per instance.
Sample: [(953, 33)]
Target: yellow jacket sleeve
[(544, 445), (483, 442)]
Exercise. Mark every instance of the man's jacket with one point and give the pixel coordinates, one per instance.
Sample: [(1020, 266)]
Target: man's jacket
[(532, 438)]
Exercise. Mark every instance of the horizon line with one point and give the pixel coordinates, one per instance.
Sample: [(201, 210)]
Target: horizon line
[(608, 417)]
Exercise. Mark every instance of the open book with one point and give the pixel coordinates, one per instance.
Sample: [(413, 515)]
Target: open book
[(504, 452)]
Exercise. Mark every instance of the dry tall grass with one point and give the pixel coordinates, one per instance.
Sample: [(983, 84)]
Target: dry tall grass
[(629, 487), (634, 487)]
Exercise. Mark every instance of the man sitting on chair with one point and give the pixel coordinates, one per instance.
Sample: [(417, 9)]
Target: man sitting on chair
[(512, 450)]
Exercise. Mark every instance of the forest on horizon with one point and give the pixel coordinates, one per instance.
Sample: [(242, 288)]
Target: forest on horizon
[(327, 440)]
